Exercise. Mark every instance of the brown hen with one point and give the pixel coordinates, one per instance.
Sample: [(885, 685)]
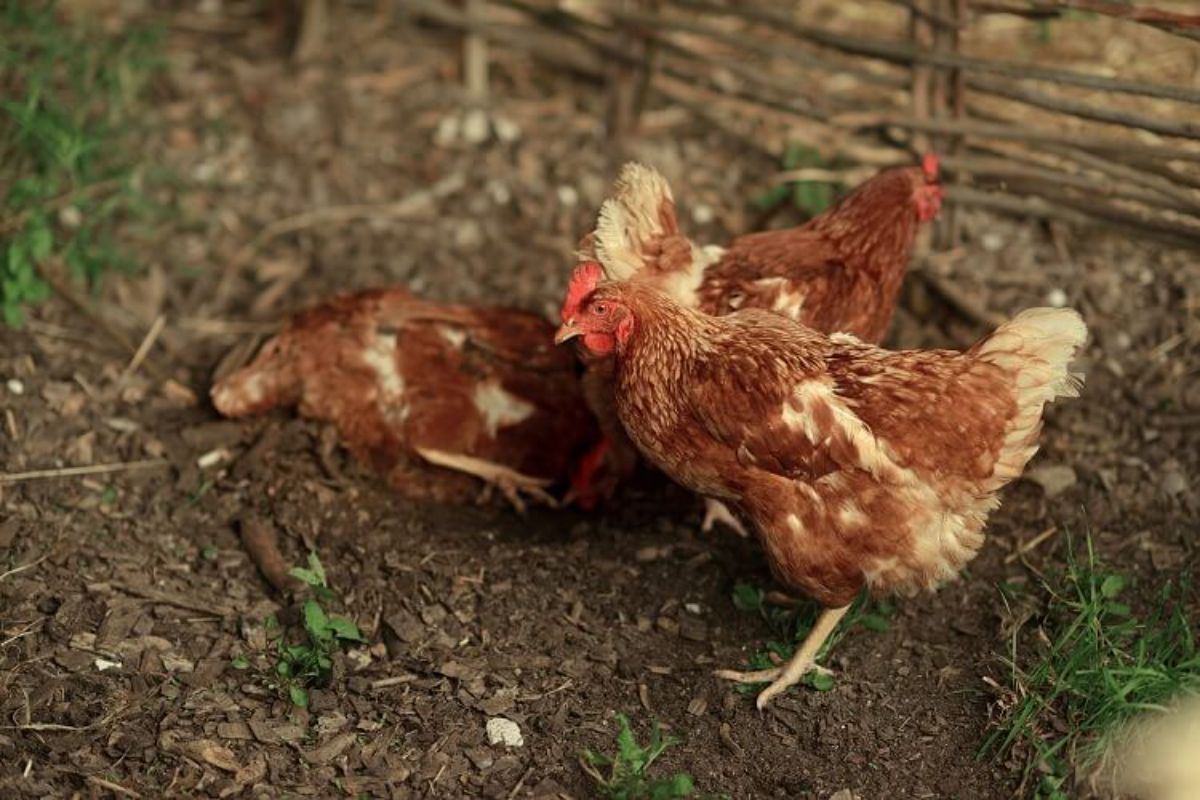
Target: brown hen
[(428, 393), (860, 467)]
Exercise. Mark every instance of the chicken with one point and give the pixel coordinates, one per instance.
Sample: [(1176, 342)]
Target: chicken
[(860, 468), (428, 393), (841, 271)]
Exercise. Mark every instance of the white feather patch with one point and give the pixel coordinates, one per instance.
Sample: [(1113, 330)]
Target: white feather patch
[(500, 408)]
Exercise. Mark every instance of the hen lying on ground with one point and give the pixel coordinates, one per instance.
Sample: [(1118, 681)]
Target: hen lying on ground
[(428, 393), (860, 467), (840, 271)]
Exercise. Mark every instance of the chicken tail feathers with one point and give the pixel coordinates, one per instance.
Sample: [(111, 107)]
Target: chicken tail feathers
[(270, 380), (1036, 347), (640, 214)]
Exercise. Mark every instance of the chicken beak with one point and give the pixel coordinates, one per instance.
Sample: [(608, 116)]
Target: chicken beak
[(566, 332)]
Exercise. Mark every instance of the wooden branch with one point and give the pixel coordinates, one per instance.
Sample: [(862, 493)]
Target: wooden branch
[(1025, 134), (1013, 91), (900, 53), (1185, 25)]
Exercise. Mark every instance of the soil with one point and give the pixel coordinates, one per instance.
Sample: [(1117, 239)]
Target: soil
[(125, 597)]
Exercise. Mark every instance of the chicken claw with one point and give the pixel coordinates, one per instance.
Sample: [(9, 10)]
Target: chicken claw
[(780, 678), (800, 664), (715, 511), (512, 484)]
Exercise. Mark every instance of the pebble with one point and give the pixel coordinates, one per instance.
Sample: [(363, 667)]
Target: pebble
[(15, 386), (1053, 478), (1056, 298), (507, 131), (476, 127), (504, 732), (568, 197), (992, 242), (703, 214)]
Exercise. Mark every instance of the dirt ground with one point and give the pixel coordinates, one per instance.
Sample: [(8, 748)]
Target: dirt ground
[(125, 597)]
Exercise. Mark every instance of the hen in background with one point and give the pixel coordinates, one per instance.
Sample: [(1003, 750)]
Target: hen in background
[(840, 271), (860, 467), (433, 395)]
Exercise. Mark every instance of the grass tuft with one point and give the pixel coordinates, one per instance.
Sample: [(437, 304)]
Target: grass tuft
[(1099, 665), (68, 103), (628, 768)]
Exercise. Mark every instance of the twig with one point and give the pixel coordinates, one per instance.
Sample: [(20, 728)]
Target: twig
[(900, 53), (143, 350), (210, 609), (113, 787), (1185, 25), (520, 783), (869, 119), (1023, 549), (406, 206), (22, 568), (395, 680), (261, 541), (93, 469), (397, 209), (1013, 91), (82, 306), (968, 308)]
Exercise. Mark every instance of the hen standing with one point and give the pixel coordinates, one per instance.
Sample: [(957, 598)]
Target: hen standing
[(414, 386), (860, 467)]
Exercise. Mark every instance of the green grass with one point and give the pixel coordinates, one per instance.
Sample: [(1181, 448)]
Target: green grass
[(68, 177), (1098, 665), (810, 197), (306, 660), (793, 624), (628, 768)]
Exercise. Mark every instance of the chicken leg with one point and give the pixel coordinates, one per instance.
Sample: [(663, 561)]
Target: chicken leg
[(512, 484), (715, 511), (800, 664)]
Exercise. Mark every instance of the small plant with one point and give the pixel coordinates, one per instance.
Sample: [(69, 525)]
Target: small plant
[(627, 778), (1100, 666), (310, 662), (811, 197), (67, 97), (793, 624)]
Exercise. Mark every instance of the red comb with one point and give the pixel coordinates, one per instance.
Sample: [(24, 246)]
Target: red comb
[(584, 279), (929, 163)]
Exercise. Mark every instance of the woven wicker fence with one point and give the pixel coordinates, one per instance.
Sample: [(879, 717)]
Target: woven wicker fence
[(1014, 136)]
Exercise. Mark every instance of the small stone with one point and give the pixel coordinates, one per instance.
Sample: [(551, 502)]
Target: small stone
[(447, 131), (1056, 298), (693, 608), (15, 386), (506, 130), (501, 731), (1053, 478), (568, 197), (476, 128), (70, 217), (843, 794), (1174, 482), (499, 192), (703, 214), (992, 242)]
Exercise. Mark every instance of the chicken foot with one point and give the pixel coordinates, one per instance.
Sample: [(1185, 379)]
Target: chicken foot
[(802, 662), (514, 485), (715, 511)]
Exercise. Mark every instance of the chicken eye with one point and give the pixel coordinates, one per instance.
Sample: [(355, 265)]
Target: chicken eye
[(600, 309)]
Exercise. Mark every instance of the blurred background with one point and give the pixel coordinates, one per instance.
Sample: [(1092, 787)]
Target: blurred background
[(177, 177)]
